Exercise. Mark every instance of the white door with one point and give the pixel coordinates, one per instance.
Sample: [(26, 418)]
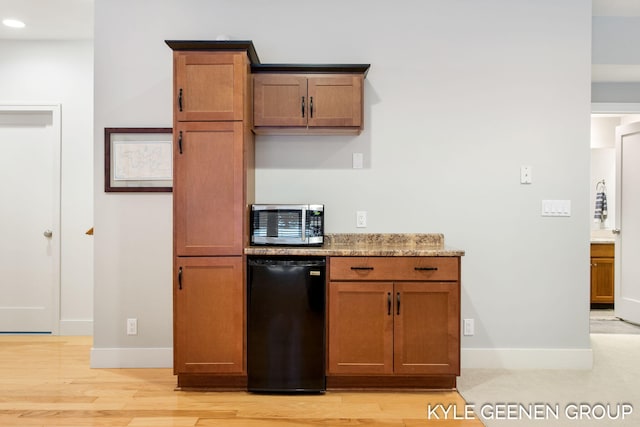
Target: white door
[(29, 218), (627, 280)]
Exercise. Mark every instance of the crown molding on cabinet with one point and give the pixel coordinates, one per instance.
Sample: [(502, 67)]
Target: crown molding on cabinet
[(311, 68), (216, 45)]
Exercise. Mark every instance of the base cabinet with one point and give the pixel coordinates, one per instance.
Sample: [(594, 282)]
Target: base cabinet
[(394, 333), (209, 315), (602, 273), (426, 328), (360, 328), (386, 328)]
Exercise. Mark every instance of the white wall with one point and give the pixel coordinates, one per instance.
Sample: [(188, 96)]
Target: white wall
[(603, 167), (603, 130), (603, 164), (61, 72), (614, 45), (629, 118), (459, 95)]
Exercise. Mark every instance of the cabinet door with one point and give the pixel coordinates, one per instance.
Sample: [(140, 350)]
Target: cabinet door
[(209, 315), (209, 85), (602, 280), (279, 100), (208, 188), (360, 328), (427, 328), (335, 101)]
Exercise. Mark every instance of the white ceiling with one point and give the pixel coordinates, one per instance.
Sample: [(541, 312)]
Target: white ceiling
[(616, 8), (48, 19), (73, 19), (615, 72)]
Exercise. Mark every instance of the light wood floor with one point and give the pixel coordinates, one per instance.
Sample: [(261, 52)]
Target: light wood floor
[(46, 381)]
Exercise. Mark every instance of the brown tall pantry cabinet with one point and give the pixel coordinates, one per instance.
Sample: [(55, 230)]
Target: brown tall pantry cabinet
[(213, 184)]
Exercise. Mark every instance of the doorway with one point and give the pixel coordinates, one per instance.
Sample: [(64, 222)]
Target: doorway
[(604, 266), (30, 216)]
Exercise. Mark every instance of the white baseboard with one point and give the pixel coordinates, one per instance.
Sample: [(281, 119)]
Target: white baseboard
[(526, 358), (131, 357), (76, 328)]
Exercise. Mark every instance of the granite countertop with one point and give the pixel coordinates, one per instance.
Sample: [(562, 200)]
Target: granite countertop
[(361, 244), (602, 236)]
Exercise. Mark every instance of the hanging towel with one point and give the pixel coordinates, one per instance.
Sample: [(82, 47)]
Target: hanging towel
[(601, 207)]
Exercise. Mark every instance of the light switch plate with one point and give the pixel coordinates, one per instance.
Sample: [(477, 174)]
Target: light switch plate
[(556, 208)]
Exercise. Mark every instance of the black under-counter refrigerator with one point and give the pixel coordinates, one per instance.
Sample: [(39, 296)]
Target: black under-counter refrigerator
[(286, 324)]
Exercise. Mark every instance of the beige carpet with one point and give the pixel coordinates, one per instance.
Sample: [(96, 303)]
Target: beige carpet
[(614, 379)]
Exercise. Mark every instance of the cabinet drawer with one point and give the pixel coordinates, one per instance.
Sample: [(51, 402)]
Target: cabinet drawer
[(602, 250), (393, 268)]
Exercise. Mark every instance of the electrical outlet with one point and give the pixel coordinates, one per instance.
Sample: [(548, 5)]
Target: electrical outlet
[(361, 219), (358, 160), (525, 175), (132, 326), (468, 327)]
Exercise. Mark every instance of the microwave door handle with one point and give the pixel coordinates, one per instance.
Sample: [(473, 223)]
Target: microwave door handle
[(303, 232)]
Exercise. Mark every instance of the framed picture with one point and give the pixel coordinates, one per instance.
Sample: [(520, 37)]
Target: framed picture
[(138, 160)]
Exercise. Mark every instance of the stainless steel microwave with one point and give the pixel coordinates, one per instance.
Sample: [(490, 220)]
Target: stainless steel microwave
[(292, 225)]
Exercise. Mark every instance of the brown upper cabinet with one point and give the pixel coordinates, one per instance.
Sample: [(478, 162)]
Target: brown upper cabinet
[(315, 103), (210, 86)]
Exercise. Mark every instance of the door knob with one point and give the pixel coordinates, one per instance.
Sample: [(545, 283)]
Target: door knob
[(48, 233), (616, 231)]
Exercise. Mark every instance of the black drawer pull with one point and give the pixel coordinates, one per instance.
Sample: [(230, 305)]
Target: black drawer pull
[(388, 303), (362, 268), (426, 268)]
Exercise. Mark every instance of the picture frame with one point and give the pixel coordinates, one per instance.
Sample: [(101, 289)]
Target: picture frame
[(138, 160)]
